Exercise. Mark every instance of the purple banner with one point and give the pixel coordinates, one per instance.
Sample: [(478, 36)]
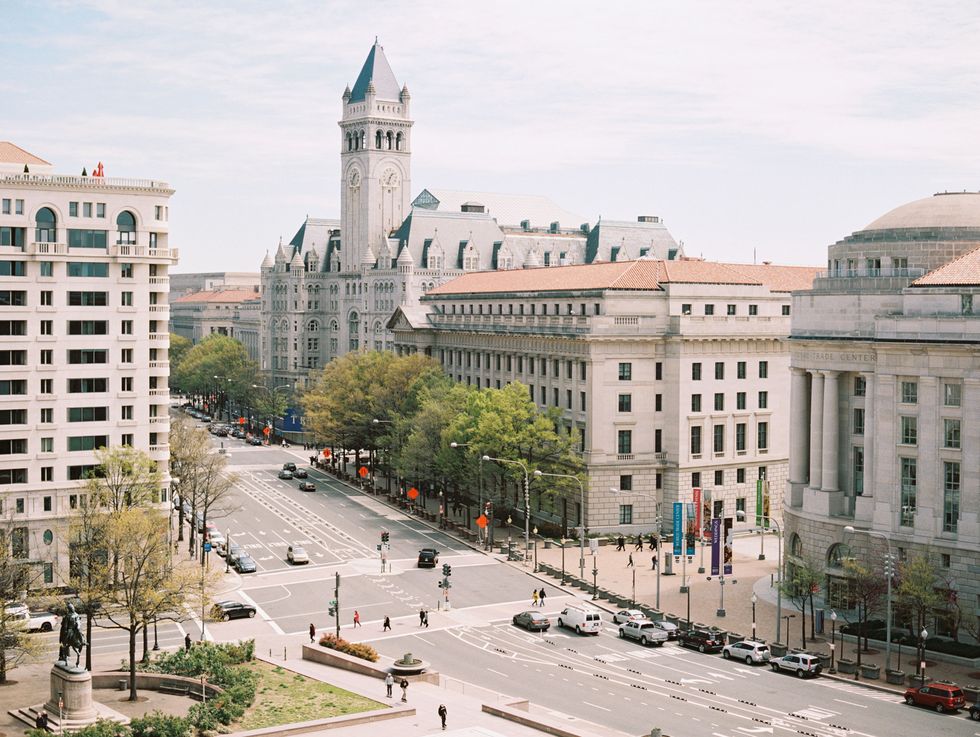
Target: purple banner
[(728, 546), (715, 546)]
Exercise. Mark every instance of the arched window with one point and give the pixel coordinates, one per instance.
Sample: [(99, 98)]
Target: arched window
[(377, 327), (350, 142), (398, 142), (795, 545), (836, 555), (377, 139), (126, 224), (313, 326), (353, 329), (363, 139), (47, 226), (389, 140)]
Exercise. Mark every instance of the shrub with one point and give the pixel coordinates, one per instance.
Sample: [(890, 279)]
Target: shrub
[(357, 649), (101, 728), (158, 724)]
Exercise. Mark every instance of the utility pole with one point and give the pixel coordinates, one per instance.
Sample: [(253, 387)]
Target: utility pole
[(445, 584)]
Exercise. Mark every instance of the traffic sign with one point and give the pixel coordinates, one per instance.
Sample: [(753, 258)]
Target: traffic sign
[(207, 547), (362, 472), (413, 493)]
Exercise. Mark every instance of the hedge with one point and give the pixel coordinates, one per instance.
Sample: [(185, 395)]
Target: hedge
[(357, 649)]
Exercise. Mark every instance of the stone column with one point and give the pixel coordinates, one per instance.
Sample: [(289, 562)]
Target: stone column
[(816, 429), (831, 429), (799, 445), (870, 409)]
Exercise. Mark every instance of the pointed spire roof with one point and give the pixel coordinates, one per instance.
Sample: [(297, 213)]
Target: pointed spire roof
[(368, 258), (376, 70), (267, 262), (280, 253), (297, 262), (405, 257)]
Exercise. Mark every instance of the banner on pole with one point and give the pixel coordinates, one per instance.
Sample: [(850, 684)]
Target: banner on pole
[(715, 546), (678, 528), (697, 509), (728, 545), (706, 515), (758, 502), (691, 531), (765, 503)]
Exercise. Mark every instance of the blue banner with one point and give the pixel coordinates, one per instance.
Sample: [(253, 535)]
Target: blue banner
[(715, 546), (691, 529), (678, 528)]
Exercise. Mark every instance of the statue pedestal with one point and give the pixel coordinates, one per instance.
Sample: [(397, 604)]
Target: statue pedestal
[(73, 687)]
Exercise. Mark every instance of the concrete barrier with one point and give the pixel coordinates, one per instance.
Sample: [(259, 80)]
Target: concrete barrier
[(152, 681), (317, 725), (546, 724)]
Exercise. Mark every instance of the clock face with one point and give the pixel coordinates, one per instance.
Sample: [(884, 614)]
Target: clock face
[(354, 180)]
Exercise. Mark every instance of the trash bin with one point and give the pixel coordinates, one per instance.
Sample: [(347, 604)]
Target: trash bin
[(122, 684)]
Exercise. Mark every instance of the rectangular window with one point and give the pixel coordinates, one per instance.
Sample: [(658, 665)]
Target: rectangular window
[(13, 446), (909, 430), (13, 358), (626, 483), (909, 486), (658, 371), (709, 309), (581, 371), (86, 239), (126, 327), (47, 415), (685, 309), (47, 473), (100, 209), (88, 327), (740, 504), (88, 355), (740, 437), (763, 400), (719, 402), (13, 268), (87, 209), (624, 442), (88, 386), (860, 386), (695, 372), (695, 402), (763, 369), (9, 387), (696, 440), (47, 386), (47, 268), (740, 370), (47, 298), (88, 414), (581, 401), (13, 476), (78, 473), (739, 475), (13, 416), (696, 480), (658, 402), (87, 442), (753, 310), (13, 298), (126, 355), (719, 438), (951, 395), (47, 327), (731, 309), (88, 299), (568, 399), (910, 392), (951, 434), (126, 412), (47, 503), (13, 327), (719, 478), (858, 421), (659, 483), (6, 206), (858, 470), (719, 370), (625, 371), (47, 356), (740, 400), (762, 436), (625, 514), (126, 271), (951, 496), (20, 542), (127, 439), (88, 268), (785, 310), (13, 236), (625, 402), (658, 440)]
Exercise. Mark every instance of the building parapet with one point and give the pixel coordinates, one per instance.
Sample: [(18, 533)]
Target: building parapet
[(89, 183)]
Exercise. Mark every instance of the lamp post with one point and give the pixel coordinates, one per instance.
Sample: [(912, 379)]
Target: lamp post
[(581, 533), (754, 600), (833, 640), (398, 442), (227, 548), (535, 549), (787, 618), (889, 572), (779, 569), (527, 502), (922, 656), (688, 592)]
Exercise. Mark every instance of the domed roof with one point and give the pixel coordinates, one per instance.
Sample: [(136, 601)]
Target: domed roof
[(942, 210)]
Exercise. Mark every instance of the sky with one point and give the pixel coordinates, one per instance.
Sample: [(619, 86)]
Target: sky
[(756, 130)]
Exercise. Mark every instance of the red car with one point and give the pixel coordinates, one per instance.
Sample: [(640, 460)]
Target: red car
[(939, 695)]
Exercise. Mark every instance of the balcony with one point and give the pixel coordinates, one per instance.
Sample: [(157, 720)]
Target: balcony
[(47, 249), (625, 457), (160, 280), (159, 419), (67, 180), (160, 308), (159, 392), (132, 250), (159, 364), (158, 448)]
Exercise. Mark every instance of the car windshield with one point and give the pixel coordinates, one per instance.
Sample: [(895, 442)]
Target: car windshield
[(299, 551)]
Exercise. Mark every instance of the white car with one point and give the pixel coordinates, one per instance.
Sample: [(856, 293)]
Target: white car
[(217, 540), (296, 554), (43, 622), (18, 614), (628, 615), (748, 650)]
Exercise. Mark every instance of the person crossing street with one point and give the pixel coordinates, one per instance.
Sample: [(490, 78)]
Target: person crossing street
[(389, 683)]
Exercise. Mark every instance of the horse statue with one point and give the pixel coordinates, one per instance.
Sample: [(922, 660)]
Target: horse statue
[(71, 637)]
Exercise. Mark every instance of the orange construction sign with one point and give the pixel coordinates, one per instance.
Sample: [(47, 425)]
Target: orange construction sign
[(481, 521), (241, 420), (326, 452), (362, 472), (413, 493), (266, 430)]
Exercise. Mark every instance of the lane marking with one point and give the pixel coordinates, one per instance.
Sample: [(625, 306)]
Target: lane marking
[(851, 703), (595, 706), (262, 613)]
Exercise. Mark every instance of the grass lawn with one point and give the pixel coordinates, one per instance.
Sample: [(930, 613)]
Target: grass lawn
[(283, 697)]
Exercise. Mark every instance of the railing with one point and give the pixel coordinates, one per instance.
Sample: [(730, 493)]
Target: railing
[(160, 392), (79, 181), (159, 279), (661, 457), (625, 457), (47, 248), (872, 273), (160, 308), (159, 364), (133, 250)]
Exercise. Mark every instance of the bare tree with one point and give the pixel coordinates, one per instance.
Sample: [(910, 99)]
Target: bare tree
[(16, 577), (188, 447), (800, 588)]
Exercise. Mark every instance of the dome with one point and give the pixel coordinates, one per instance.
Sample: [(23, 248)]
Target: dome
[(943, 210)]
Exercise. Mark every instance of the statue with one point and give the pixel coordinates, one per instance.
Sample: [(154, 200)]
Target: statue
[(71, 637)]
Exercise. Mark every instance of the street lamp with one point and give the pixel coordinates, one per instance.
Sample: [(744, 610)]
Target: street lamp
[(740, 516), (535, 531), (581, 536), (227, 548), (787, 618), (889, 572), (527, 502), (922, 657), (833, 640), (754, 599)]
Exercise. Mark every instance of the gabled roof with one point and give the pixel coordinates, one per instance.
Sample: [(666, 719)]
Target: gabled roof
[(779, 278), (507, 209), (377, 70), (218, 295), (960, 272), (414, 315), (13, 154)]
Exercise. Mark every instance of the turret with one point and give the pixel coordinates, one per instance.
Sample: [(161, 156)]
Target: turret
[(267, 263)]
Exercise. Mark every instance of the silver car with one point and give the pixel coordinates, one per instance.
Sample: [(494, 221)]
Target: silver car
[(295, 554), (748, 650)]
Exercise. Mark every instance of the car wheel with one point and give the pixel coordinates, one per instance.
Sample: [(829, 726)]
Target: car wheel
[(939, 708), (578, 630), (560, 623), (776, 668), (622, 634), (748, 660), (251, 614), (700, 648), (643, 641), (800, 673), (725, 654), (659, 644), (909, 700), (225, 617), (975, 715), (46, 627)]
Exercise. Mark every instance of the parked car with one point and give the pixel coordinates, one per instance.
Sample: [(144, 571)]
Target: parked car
[(670, 628), (295, 554), (238, 433), (289, 466), (939, 695), (234, 552), (244, 564), (975, 712), (581, 619), (216, 539), (702, 640), (428, 558), (532, 621), (802, 664), (286, 474), (628, 615), (300, 473), (18, 613), (43, 621), (255, 440), (307, 486), (748, 650), (643, 631), (226, 610)]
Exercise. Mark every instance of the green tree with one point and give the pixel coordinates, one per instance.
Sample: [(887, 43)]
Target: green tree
[(126, 477), (803, 583), (919, 593), (868, 587), (179, 346), (16, 578), (218, 365)]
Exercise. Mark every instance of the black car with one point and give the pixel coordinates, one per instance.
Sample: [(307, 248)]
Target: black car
[(975, 712), (286, 474), (307, 486), (299, 473), (226, 610), (238, 433), (244, 564), (288, 466), (255, 440), (428, 558), (702, 640)]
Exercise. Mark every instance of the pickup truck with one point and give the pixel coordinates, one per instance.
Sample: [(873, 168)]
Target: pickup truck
[(644, 631), (43, 621)]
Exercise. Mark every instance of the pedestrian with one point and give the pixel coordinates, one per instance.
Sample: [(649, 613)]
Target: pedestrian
[(653, 562), (312, 460), (187, 642), (404, 687), (620, 543), (534, 597), (653, 542), (442, 714), (312, 633), (387, 625), (629, 563), (422, 617), (541, 595), (389, 683), (357, 618), (425, 618), (639, 542)]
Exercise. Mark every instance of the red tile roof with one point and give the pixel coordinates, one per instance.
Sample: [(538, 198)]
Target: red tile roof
[(962, 271), (218, 295), (636, 275)]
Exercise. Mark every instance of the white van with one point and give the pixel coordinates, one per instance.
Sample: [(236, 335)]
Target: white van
[(581, 619)]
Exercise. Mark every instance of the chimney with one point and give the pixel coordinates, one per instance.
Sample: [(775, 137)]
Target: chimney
[(648, 219)]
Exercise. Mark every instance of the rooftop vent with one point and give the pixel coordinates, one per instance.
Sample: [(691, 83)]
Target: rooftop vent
[(648, 219), (585, 228), (472, 207), (525, 225), (555, 227)]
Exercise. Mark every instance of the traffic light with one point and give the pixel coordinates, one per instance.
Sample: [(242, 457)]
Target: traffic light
[(447, 570), (385, 536), (332, 610)]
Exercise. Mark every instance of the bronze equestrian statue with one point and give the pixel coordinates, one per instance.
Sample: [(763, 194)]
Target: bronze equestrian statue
[(71, 637)]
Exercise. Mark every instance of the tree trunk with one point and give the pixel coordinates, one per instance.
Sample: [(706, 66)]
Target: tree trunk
[(803, 625), (146, 643), (3, 665), (180, 521), (88, 638), (813, 620), (132, 661)]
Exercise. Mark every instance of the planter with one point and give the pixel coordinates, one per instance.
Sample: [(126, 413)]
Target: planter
[(734, 637), (915, 680), (673, 619), (547, 544), (847, 666), (870, 672), (897, 678), (777, 650), (971, 692)]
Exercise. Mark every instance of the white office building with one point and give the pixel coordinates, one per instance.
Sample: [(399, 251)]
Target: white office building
[(84, 264)]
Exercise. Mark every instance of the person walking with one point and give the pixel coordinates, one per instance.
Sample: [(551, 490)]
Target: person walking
[(422, 617), (442, 714), (404, 687), (534, 597), (187, 641), (629, 563), (653, 562), (389, 683), (653, 541), (312, 633), (425, 618), (639, 543), (541, 595), (620, 543), (387, 624), (357, 618)]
